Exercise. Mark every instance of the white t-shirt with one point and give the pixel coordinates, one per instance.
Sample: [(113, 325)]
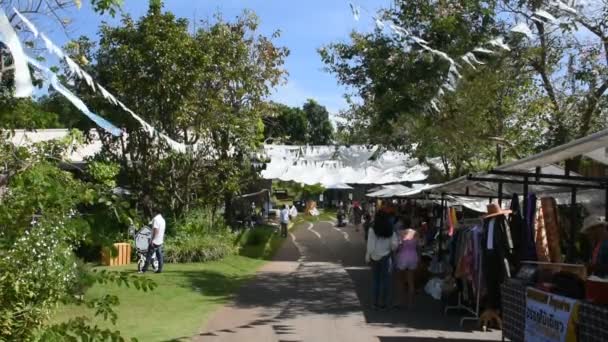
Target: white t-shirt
[(285, 216), (377, 248), (158, 222)]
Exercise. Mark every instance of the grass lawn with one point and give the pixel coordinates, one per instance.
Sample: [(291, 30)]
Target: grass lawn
[(187, 293), (185, 297)]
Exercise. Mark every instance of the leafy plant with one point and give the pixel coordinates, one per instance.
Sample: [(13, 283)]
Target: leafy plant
[(199, 237)]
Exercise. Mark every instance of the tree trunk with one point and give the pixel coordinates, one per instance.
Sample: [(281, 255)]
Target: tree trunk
[(228, 214)]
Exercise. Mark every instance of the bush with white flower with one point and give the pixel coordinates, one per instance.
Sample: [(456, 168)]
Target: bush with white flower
[(39, 230)]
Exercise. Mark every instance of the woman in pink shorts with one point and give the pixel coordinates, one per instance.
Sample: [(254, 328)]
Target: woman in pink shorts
[(406, 260)]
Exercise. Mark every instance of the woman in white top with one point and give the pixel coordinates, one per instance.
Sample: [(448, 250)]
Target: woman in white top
[(381, 242)]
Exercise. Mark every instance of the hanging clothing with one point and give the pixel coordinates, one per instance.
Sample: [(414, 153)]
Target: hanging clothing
[(528, 244), (550, 215), (450, 223), (466, 260), (542, 246), (497, 257), (516, 222)]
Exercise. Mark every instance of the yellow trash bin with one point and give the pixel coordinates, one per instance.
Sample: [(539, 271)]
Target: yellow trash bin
[(122, 258)]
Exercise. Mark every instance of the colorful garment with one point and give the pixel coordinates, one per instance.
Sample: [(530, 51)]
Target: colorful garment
[(542, 246), (407, 255), (552, 228)]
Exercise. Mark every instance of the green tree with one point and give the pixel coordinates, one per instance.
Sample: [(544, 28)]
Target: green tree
[(206, 89), (570, 61), (288, 125), (320, 130), (513, 104), (245, 66)]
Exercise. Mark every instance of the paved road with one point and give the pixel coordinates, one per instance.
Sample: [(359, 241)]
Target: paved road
[(318, 289)]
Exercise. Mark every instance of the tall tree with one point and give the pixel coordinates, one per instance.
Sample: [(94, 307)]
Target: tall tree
[(569, 57), (206, 89), (286, 125), (244, 67), (551, 85), (320, 129)]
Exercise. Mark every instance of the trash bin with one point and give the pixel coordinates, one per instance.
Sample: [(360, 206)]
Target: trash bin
[(122, 258)]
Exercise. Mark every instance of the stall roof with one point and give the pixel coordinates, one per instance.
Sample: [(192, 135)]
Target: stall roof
[(484, 185), (392, 190), (593, 146)]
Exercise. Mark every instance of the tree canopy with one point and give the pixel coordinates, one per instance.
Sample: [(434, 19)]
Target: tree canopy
[(299, 126), (509, 104)]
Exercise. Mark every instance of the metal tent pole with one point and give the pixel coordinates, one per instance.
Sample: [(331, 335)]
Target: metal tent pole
[(573, 218)]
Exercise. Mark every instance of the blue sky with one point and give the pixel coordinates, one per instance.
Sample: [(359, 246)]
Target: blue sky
[(305, 26)]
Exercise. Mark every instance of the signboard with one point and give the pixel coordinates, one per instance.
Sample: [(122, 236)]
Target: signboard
[(549, 317)]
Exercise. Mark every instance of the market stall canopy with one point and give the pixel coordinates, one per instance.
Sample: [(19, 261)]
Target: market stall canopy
[(594, 146), (339, 186), (388, 191), (330, 165), (485, 184)]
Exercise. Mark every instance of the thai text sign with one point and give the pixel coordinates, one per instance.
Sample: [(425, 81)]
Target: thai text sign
[(549, 317)]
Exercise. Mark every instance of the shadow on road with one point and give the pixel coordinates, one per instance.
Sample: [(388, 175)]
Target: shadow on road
[(334, 282)]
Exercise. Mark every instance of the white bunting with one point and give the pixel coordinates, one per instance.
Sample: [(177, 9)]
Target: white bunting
[(400, 31), (499, 42), (27, 23), (355, 10), (544, 15), (523, 29), (483, 50), (77, 71), (23, 79), (78, 103), (106, 94), (379, 23), (54, 49), (563, 7)]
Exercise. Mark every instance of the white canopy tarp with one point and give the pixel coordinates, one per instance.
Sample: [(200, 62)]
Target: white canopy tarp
[(388, 191), (594, 146), (330, 165)]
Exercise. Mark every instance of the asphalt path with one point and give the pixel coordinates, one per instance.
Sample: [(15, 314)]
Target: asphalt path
[(318, 289)]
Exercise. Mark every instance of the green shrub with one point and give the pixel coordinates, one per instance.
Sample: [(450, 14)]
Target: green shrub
[(189, 248), (199, 237), (200, 221)]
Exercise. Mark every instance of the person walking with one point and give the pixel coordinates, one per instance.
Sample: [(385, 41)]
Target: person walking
[(406, 260), (357, 215), (381, 242), (284, 220), (156, 243)]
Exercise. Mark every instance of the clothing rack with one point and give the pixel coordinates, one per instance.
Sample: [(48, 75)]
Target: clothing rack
[(475, 312)]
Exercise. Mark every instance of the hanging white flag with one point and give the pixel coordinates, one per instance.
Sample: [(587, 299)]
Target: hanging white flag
[(77, 102), (106, 94), (523, 29), (54, 49), (563, 7), (23, 79), (355, 10), (499, 42), (544, 15), (379, 23), (27, 23), (465, 58), (483, 50), (400, 31)]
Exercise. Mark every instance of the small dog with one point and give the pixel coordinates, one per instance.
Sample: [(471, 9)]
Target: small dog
[(487, 317)]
